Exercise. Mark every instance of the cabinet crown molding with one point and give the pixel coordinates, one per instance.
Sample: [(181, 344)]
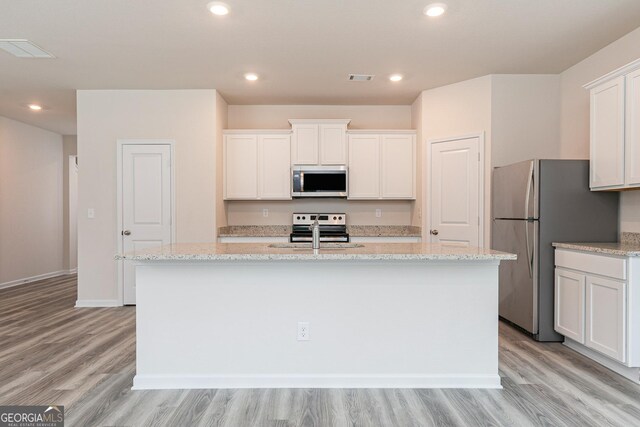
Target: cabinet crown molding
[(319, 121), (256, 131), (625, 69), (382, 131)]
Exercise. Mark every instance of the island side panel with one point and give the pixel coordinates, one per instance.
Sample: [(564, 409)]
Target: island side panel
[(372, 324)]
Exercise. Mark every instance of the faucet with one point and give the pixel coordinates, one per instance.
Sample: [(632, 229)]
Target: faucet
[(315, 234)]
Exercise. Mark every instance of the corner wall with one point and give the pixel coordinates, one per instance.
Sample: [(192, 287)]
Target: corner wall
[(31, 169), (186, 116)]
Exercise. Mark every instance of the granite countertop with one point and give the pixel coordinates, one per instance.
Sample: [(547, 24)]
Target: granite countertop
[(629, 245), (263, 252), (353, 230)]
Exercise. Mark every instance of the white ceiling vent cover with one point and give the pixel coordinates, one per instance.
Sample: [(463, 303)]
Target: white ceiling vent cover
[(23, 48), (361, 77)]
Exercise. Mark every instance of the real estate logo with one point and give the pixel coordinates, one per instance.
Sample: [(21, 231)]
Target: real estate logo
[(31, 416)]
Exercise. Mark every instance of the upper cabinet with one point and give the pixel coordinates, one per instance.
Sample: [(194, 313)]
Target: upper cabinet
[(257, 165), (319, 142), (615, 129), (382, 165)]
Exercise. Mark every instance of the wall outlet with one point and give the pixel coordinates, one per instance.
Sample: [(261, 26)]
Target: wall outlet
[(378, 213), (303, 331), (265, 212), (91, 213)]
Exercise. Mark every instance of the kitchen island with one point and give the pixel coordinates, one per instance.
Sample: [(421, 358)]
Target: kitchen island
[(377, 315)]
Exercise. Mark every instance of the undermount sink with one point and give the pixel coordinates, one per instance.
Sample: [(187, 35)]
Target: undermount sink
[(334, 245)]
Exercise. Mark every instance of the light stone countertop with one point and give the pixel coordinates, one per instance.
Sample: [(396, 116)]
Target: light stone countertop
[(619, 248), (629, 245), (263, 252), (353, 230)]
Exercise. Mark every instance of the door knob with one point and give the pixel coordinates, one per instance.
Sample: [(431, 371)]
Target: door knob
[(126, 233), (434, 232)]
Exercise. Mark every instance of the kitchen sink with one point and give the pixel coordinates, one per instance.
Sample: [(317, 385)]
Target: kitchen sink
[(335, 245)]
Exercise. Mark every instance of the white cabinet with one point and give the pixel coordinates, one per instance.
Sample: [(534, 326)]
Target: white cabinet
[(597, 305), (569, 304), (606, 317), (319, 142), (614, 129), (364, 166), (382, 165), (632, 134), (257, 166), (241, 167)]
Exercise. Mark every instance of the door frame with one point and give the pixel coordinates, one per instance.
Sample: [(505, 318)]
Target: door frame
[(120, 144), (426, 225)]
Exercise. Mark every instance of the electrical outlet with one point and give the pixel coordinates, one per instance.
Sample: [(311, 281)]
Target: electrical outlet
[(303, 331), (265, 212), (91, 213), (378, 213)]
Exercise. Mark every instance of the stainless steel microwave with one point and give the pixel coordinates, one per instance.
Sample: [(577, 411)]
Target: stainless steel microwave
[(319, 181)]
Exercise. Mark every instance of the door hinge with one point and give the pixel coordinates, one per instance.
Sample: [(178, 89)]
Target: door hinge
[(478, 156), (478, 220)]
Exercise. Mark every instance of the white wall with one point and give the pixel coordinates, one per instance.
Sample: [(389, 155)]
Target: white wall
[(456, 110), (362, 116), (31, 172), (575, 111), (525, 117), (104, 116), (69, 204)]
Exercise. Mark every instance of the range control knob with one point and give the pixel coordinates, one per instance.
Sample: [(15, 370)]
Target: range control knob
[(339, 217), (334, 218), (298, 217)]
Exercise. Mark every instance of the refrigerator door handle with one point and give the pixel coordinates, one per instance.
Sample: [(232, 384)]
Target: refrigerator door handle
[(527, 199), (529, 251)]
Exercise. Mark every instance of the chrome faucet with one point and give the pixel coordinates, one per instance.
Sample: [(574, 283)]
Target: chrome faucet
[(315, 234)]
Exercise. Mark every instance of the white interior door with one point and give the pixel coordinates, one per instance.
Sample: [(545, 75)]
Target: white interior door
[(455, 193), (146, 204)]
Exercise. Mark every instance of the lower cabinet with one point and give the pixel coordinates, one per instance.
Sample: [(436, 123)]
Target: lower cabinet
[(569, 305), (605, 320), (593, 309)]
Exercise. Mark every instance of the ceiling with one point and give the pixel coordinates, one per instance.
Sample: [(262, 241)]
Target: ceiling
[(302, 49)]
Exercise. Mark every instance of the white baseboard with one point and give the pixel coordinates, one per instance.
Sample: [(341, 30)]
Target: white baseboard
[(158, 382), (32, 279), (632, 374), (72, 271), (82, 303)]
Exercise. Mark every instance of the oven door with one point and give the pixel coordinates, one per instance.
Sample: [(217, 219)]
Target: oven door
[(319, 181)]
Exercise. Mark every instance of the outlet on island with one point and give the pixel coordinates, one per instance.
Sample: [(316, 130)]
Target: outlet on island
[(265, 213), (303, 331), (378, 213)]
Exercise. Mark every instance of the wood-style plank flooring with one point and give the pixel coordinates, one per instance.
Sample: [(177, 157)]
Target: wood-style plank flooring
[(84, 358)]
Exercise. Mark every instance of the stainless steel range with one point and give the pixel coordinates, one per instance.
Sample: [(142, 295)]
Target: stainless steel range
[(333, 227)]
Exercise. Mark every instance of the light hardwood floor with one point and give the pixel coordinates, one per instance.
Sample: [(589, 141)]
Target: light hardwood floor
[(84, 358)]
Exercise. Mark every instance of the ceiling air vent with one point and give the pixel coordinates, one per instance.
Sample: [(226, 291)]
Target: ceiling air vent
[(23, 48), (361, 77)]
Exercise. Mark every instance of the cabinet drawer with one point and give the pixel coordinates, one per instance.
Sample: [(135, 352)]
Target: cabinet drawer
[(591, 263)]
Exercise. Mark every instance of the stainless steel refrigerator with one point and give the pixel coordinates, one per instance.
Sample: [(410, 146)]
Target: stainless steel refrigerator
[(535, 203)]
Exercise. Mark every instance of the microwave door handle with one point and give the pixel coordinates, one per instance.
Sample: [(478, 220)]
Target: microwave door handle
[(302, 182)]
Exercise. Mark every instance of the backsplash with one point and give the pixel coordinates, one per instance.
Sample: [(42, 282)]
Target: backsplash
[(632, 238)]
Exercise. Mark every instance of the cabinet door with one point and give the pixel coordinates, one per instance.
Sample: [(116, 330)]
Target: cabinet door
[(333, 145), (606, 312), (275, 167), (398, 166), (632, 136), (241, 167), (364, 167), (607, 134), (569, 304), (305, 145)]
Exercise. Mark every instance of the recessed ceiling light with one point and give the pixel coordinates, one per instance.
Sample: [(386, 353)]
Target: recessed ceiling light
[(395, 77), (218, 8), (435, 9), (35, 107), (252, 77)]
